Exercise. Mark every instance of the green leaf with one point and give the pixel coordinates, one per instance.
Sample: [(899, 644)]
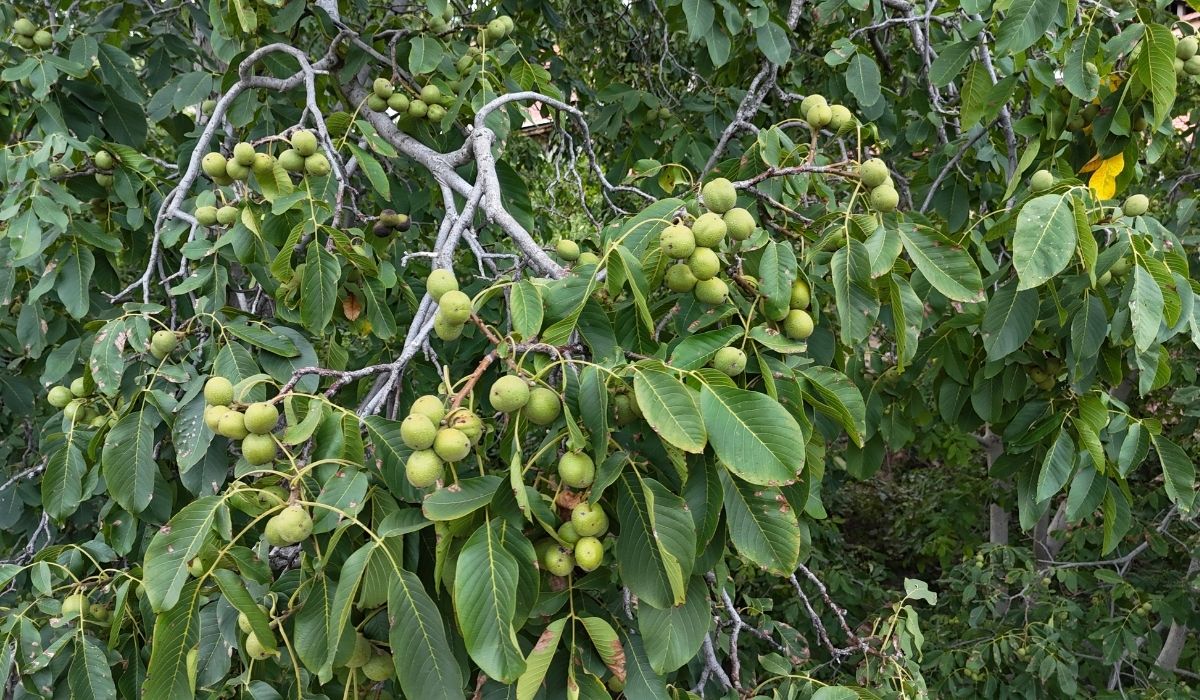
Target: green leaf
[(1009, 320), (762, 525), (374, 171), (943, 263), (176, 632), (837, 396), (657, 540), (525, 309), (106, 361), (350, 578), (1145, 308), (1025, 22), (128, 460), (607, 644), (699, 16), (485, 591), (426, 667), (1155, 69), (753, 435), (62, 482), (233, 587), (264, 337), (1044, 239), (773, 42), (669, 407), (1056, 468), (1179, 473), (90, 676), (776, 272), (167, 556), (75, 279), (673, 635), (950, 63), (862, 79), (694, 351), (460, 499), (537, 664), (318, 287), (424, 54), (853, 291)]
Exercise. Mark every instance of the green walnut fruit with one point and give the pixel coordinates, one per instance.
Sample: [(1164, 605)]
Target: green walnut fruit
[(255, 650), (423, 468), (819, 116), (24, 27), (218, 391), (711, 292), (263, 164), (567, 249), (206, 216), (885, 198), (576, 470), (305, 142), (98, 611), (27, 44), (261, 417), (1118, 268), (398, 102), (589, 520), (417, 431), (1103, 280), (1192, 66), (587, 257), (258, 449), (451, 444), (589, 553), (429, 406), (558, 561), (244, 620), (739, 223), (212, 416), (59, 396), (79, 387), (431, 94), (291, 525), (236, 171), (1136, 205), (317, 165), (227, 215), (495, 30), (196, 567), (291, 161), (73, 410), (873, 172), (383, 88), (363, 651), (213, 165), (509, 393), (447, 329), (731, 361), (232, 425), (840, 118), (1041, 181), (162, 343), (104, 180), (704, 264), (680, 278), (43, 39), (719, 195), (677, 241), (243, 153), (439, 282), (380, 667), (566, 533), (801, 295), (798, 325), (543, 407), (418, 109), (103, 160), (812, 101), (709, 230), (1186, 47), (75, 604), (466, 422), (625, 409), (455, 306), (375, 103), (58, 170), (400, 222)]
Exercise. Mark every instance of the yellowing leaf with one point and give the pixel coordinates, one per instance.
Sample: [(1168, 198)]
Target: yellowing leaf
[(1103, 182)]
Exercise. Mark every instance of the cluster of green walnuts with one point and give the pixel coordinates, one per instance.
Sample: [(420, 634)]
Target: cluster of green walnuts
[(454, 306), (429, 103), (75, 402), (29, 37), (251, 427), (695, 247), (302, 157), (1187, 56)]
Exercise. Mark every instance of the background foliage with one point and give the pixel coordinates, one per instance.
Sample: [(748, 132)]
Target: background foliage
[(975, 478)]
